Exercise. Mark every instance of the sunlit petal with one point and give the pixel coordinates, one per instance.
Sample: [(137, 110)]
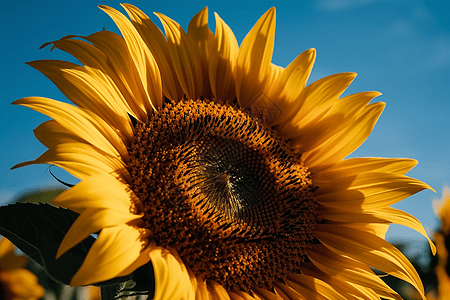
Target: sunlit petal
[(254, 58)]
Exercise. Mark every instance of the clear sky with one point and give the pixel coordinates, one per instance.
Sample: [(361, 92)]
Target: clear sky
[(400, 48)]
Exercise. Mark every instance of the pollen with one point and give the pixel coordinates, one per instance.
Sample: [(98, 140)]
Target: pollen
[(224, 191)]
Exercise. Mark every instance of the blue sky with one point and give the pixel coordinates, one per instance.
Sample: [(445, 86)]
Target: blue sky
[(400, 48)]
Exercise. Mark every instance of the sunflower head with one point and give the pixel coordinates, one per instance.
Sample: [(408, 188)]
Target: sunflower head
[(224, 170), (442, 240)]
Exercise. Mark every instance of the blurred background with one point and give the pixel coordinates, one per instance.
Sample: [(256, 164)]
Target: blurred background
[(398, 47)]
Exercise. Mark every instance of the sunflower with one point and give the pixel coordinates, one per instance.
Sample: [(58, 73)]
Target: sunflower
[(16, 283), (223, 170), (442, 239)]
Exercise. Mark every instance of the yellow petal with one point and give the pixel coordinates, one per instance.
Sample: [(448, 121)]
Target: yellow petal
[(282, 295), (273, 79), (369, 293), (346, 269), (239, 295), (11, 261), (263, 294), (125, 76), (367, 191), (311, 134), (93, 220), (5, 247), (285, 91), (202, 38), (20, 284), (81, 160), (98, 67), (143, 59), (359, 165), (216, 291), (156, 42), (382, 215), (94, 60), (254, 59), (368, 249), (298, 292), (234, 296), (8, 258), (80, 122), (115, 249), (184, 58), (222, 62), (172, 280), (99, 191), (301, 282), (346, 288), (88, 90), (51, 134), (200, 288), (264, 105), (315, 100), (344, 142)]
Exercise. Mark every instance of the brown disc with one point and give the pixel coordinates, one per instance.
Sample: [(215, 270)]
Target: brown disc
[(225, 192)]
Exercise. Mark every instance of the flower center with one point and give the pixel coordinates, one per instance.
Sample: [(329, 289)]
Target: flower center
[(225, 192)]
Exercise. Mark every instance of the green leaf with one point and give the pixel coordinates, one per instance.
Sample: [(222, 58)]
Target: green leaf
[(37, 230), (37, 195), (144, 277)]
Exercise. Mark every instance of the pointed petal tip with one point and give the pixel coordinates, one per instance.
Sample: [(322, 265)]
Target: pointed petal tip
[(34, 62), (107, 9), (162, 17), (217, 17), (19, 165), (271, 13), (311, 50), (78, 281), (62, 249), (426, 186), (59, 253), (351, 75), (21, 101), (377, 93), (128, 6), (311, 54), (45, 45), (378, 107), (15, 102)]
